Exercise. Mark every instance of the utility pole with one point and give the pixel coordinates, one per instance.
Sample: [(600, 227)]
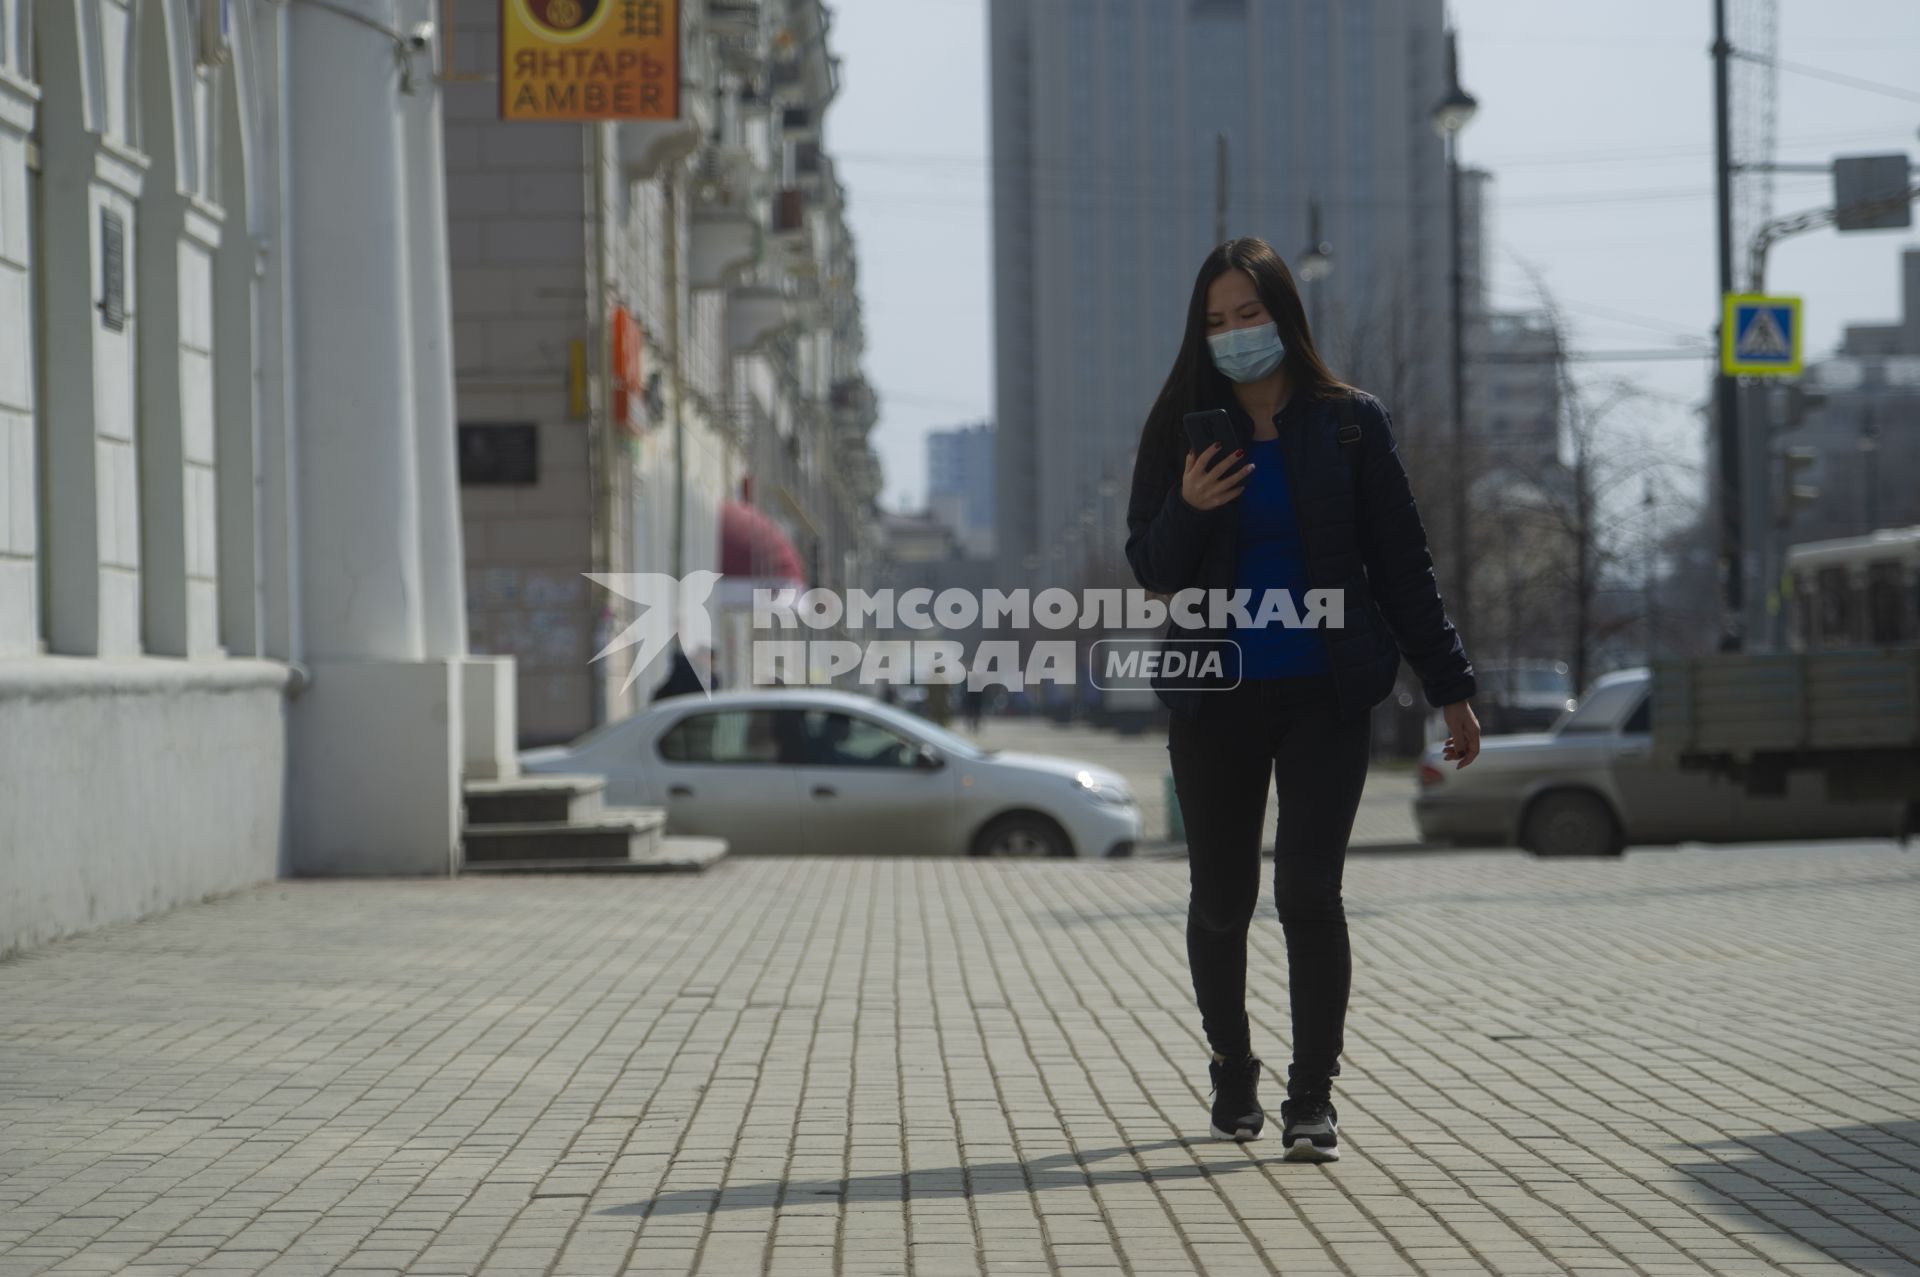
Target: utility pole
[(1463, 579), (1648, 561), (1449, 117), (1726, 388)]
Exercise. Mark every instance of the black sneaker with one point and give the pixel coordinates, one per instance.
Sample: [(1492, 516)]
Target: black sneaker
[(1310, 1127), (1237, 1114)]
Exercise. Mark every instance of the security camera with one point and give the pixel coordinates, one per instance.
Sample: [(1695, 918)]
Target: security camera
[(420, 36)]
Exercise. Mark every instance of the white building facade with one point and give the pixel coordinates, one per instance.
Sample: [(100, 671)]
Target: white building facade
[(721, 234), (960, 485), (234, 560)]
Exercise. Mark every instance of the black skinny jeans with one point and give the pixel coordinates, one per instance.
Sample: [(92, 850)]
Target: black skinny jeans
[(1289, 730)]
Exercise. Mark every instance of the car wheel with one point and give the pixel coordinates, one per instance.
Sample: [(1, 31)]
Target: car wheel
[(1021, 834), (1571, 823)]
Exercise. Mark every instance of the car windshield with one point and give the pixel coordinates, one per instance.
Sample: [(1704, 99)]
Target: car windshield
[(1603, 708), (925, 729), (1552, 681), (1525, 680)]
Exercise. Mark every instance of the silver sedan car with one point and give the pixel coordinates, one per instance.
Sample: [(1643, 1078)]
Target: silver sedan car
[(779, 770), (1591, 786)]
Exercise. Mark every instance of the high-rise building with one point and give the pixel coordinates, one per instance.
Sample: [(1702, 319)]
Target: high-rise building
[(960, 479), (1476, 240), (1513, 395), (1117, 125), (1861, 431), (1513, 359)]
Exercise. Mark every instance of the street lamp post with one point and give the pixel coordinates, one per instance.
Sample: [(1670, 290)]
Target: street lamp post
[(1449, 117)]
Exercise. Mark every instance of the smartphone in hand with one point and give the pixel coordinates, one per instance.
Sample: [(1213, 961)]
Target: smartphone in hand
[(1210, 427)]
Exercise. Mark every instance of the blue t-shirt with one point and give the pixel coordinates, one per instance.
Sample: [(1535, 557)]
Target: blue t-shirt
[(1273, 557)]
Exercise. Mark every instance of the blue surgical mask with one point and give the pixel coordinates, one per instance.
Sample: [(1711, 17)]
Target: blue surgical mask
[(1248, 354)]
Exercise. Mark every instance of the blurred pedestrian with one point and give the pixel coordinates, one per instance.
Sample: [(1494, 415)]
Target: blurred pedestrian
[(682, 678), (1295, 711), (976, 703)]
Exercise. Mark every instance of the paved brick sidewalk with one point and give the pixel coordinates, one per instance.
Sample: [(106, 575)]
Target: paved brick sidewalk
[(1682, 1062)]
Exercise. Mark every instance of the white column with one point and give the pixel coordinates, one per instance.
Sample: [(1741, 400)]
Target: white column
[(264, 27), (488, 709), (354, 394), (441, 556), (374, 766)]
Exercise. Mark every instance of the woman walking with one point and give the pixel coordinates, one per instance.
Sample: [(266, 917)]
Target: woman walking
[(1313, 497)]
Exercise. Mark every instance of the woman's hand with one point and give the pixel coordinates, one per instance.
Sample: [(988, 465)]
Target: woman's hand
[(1463, 734), (1205, 484)]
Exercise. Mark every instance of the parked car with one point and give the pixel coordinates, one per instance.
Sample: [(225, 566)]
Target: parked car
[(1515, 696), (1524, 696), (815, 770), (1592, 786)]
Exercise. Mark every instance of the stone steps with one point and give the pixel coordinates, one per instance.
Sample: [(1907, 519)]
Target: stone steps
[(678, 854), (551, 823)]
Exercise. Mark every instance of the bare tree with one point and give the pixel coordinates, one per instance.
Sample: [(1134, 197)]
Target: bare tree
[(1600, 533)]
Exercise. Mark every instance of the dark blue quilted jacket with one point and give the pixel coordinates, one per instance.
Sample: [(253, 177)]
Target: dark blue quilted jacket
[(1361, 532)]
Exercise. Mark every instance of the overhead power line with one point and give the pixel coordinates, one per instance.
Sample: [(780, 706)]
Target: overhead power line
[(1836, 77)]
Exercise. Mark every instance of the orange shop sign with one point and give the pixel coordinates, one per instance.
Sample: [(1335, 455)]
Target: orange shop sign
[(629, 371), (589, 59)]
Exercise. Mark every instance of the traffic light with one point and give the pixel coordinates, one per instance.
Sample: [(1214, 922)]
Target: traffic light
[(1795, 494)]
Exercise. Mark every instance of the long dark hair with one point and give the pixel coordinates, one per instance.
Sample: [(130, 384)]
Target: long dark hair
[(1195, 384)]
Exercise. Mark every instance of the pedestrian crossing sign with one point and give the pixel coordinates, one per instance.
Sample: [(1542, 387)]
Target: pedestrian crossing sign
[(1760, 336)]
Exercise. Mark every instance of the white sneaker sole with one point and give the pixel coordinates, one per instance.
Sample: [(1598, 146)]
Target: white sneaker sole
[(1243, 1134), (1303, 1149)]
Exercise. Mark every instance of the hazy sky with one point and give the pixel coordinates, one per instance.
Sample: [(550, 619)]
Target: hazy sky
[(1596, 121)]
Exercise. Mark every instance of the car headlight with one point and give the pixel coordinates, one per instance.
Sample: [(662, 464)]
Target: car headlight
[(1113, 791)]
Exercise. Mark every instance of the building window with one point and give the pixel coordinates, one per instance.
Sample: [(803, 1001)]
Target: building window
[(730, 736)]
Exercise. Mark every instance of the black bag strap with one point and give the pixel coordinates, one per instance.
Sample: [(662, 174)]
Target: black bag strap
[(1349, 426), (1350, 434)]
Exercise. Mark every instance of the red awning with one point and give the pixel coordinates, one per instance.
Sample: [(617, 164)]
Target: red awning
[(752, 545)]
